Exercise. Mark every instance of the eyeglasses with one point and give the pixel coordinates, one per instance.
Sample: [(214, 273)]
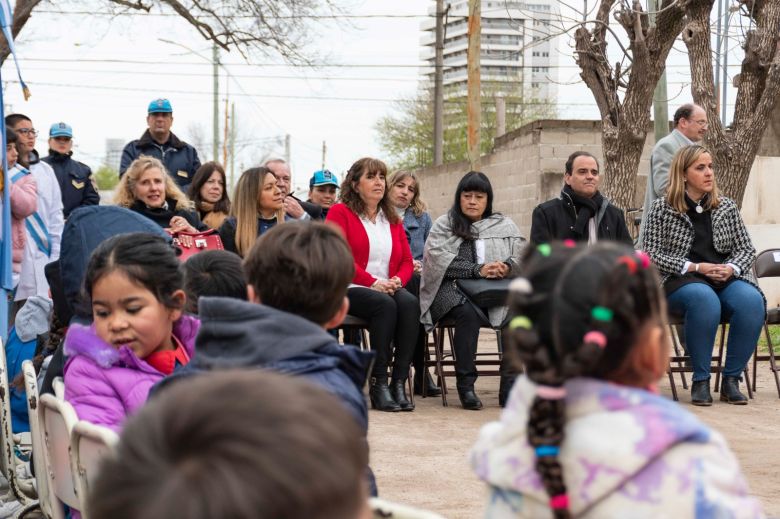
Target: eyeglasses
[(25, 131), (701, 122)]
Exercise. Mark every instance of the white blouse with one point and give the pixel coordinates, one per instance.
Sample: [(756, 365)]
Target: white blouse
[(380, 245)]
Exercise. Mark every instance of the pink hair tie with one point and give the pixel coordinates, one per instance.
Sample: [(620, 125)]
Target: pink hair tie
[(645, 259), (551, 393), (629, 262), (559, 502), (569, 243), (597, 338)]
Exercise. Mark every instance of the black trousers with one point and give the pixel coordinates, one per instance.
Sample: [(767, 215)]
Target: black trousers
[(467, 325), (413, 286), (392, 321)]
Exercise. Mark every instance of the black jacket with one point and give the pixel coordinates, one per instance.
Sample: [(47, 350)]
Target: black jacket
[(314, 211), (75, 181), (180, 159), (162, 216), (554, 220)]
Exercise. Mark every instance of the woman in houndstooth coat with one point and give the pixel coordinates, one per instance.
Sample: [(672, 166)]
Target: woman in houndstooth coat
[(698, 241)]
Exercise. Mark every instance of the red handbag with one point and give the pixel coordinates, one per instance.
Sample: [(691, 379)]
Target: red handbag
[(191, 243)]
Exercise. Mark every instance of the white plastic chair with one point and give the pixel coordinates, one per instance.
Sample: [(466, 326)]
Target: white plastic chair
[(38, 444), (382, 508), (22, 490), (58, 386), (58, 419), (89, 445)]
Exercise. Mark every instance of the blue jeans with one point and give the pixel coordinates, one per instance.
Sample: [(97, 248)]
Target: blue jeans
[(739, 303)]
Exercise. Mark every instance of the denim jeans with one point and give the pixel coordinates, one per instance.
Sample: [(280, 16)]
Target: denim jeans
[(739, 303)]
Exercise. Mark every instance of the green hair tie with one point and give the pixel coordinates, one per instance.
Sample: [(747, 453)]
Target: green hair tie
[(602, 313), (520, 321), (544, 249)]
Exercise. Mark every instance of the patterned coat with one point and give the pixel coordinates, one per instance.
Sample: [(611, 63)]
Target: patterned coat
[(669, 237)]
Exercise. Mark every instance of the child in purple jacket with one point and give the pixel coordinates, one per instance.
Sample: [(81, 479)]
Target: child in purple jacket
[(139, 334)]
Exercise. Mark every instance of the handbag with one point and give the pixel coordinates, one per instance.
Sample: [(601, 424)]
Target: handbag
[(485, 293), (191, 243)]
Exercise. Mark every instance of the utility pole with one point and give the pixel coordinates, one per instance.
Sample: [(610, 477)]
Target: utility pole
[(215, 61), (660, 103), (474, 107), (287, 148), (324, 152), (438, 94), (232, 143), (225, 140)]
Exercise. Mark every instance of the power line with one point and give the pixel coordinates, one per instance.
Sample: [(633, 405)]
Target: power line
[(241, 16)]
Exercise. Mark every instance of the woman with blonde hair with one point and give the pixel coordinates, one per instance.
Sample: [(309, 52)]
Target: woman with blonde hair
[(148, 189), (257, 206), (698, 241), (404, 193)]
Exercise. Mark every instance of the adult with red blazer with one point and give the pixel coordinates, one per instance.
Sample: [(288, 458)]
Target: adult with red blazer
[(383, 265)]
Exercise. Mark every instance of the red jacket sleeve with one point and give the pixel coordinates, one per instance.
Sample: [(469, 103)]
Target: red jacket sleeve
[(405, 267), (340, 215)]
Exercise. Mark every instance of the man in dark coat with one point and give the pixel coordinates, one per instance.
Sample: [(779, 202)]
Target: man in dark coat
[(580, 213), (180, 159), (74, 177)]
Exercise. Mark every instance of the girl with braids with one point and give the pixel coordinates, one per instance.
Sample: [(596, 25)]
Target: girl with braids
[(584, 433)]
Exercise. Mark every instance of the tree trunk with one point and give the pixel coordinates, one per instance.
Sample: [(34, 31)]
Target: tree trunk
[(22, 12), (758, 87)]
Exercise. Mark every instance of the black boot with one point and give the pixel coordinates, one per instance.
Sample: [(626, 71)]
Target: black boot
[(398, 390), (700, 393), (380, 396), (729, 391), (469, 399), (424, 377)]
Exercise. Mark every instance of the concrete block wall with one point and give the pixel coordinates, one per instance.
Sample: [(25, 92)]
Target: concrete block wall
[(525, 168)]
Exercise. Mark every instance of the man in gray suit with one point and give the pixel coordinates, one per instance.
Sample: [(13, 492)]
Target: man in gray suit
[(690, 124)]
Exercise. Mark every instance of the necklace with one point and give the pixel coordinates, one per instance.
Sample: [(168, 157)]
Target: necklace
[(699, 209)]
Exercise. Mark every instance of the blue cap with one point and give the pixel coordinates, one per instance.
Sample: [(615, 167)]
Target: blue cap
[(323, 178), (60, 130), (160, 106)]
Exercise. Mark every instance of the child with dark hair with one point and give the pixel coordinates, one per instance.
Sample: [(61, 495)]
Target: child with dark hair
[(585, 433), (213, 273), (284, 449), (139, 333)]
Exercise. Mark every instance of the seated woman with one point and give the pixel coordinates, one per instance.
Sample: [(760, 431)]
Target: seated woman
[(209, 192), (470, 241), (147, 189), (258, 205), (383, 265), (698, 241), (405, 196)]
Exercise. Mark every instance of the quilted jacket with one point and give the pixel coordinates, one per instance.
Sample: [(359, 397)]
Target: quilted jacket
[(669, 237), (104, 384)]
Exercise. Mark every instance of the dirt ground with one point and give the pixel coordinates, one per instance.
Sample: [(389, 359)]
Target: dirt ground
[(420, 458)]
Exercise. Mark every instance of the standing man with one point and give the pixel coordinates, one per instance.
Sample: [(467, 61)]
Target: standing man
[(690, 125), (580, 213), (44, 231), (297, 209), (322, 190), (74, 177), (180, 159)]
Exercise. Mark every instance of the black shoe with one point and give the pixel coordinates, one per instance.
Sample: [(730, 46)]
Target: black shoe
[(469, 400), (431, 389), (398, 390), (729, 391), (380, 396), (700, 393)]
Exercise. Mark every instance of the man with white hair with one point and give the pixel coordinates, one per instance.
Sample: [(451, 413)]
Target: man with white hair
[(294, 207)]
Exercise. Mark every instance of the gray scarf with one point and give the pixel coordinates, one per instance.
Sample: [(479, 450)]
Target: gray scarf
[(502, 242)]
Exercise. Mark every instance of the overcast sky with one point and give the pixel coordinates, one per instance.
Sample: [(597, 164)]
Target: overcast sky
[(65, 61)]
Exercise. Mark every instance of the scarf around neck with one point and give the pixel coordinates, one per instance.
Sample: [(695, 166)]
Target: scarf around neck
[(586, 209)]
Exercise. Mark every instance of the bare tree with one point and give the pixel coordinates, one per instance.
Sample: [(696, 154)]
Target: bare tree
[(269, 26), (758, 87), (624, 95), (196, 136)]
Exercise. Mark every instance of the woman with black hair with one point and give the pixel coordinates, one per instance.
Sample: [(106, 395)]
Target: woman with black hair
[(209, 193), (469, 242)]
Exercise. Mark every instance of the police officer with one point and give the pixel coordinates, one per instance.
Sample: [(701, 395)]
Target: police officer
[(180, 159), (74, 177)]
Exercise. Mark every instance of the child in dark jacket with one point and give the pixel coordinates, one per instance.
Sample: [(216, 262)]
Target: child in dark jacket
[(297, 277)]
